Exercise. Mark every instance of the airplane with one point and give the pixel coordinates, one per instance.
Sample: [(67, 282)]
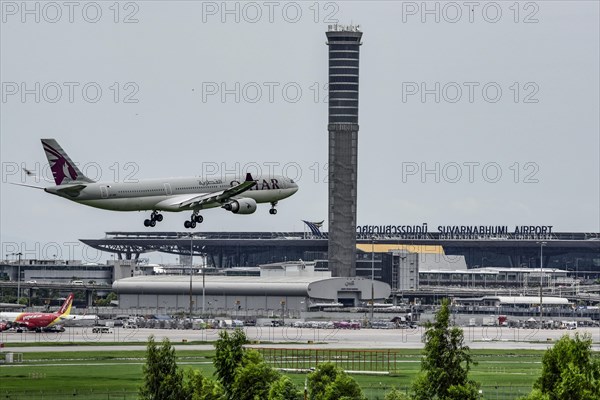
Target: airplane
[(234, 194), (36, 321)]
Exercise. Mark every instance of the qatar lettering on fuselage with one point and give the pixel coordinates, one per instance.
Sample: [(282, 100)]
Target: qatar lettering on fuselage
[(264, 185)]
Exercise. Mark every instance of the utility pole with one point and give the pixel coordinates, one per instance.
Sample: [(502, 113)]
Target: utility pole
[(542, 244), (372, 277), (19, 254), (191, 269)]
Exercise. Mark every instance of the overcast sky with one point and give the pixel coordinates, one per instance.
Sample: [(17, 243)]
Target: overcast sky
[(487, 116)]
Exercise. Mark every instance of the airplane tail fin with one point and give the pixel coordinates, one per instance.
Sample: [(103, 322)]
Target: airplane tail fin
[(65, 309), (63, 169)]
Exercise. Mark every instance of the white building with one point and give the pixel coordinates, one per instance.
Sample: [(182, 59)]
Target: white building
[(291, 286)]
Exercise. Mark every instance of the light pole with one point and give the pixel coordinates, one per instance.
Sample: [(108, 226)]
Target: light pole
[(19, 254), (203, 282), (577, 276), (191, 269), (542, 244), (372, 277)]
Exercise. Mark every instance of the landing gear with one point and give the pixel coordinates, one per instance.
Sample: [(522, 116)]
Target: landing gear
[(154, 217), (194, 219), (189, 224), (273, 210)]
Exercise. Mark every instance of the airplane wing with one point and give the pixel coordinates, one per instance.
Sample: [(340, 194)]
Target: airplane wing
[(193, 201)]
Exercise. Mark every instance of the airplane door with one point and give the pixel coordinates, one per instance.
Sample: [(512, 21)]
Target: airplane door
[(104, 192), (168, 191)]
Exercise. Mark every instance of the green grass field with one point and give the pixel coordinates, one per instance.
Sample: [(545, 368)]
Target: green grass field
[(117, 374)]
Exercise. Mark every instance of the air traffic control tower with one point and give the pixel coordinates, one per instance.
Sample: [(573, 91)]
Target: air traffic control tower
[(344, 45)]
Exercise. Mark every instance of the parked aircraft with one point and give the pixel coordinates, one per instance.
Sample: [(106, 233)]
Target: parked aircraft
[(35, 321)]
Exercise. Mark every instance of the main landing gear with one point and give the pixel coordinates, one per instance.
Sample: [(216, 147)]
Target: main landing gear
[(273, 210), (195, 218), (154, 218)]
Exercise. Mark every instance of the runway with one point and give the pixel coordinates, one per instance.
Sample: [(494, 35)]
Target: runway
[(135, 339)]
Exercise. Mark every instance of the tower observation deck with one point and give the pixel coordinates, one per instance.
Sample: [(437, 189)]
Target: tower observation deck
[(344, 48)]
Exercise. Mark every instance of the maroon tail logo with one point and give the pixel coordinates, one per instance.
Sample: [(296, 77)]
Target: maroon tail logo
[(59, 165)]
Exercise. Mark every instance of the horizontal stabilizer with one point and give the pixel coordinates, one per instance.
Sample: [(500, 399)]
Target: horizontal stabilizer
[(26, 185)]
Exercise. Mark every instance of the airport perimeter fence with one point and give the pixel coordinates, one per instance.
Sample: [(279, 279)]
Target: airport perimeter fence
[(487, 392), (373, 392), (304, 360), (79, 395)]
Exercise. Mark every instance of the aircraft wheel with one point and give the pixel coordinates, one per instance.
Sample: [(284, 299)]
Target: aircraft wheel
[(187, 224), (159, 217), (152, 223), (272, 211), (199, 219), (193, 224), (146, 222)]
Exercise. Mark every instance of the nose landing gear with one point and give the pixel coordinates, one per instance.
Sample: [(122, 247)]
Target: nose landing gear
[(273, 210)]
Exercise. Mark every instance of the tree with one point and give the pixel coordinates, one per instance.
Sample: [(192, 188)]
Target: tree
[(203, 388), (284, 389), (163, 380), (318, 380), (395, 394), (446, 362), (107, 301), (343, 387), (568, 371), (229, 354), (253, 378), (329, 382)]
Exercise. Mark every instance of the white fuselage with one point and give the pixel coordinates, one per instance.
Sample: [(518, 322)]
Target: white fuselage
[(159, 194)]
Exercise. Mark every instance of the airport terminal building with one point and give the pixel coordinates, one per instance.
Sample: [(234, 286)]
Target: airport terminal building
[(575, 252)]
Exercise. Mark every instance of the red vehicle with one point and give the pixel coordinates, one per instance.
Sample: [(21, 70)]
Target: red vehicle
[(35, 321)]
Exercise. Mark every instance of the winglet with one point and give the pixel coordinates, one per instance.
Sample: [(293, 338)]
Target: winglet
[(249, 177)]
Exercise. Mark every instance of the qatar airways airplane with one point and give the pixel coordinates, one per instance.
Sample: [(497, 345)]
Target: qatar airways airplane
[(240, 196)]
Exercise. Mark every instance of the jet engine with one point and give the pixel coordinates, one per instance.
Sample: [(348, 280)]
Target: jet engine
[(241, 206)]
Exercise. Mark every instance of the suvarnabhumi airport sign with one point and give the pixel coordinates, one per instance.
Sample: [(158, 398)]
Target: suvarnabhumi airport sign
[(452, 230)]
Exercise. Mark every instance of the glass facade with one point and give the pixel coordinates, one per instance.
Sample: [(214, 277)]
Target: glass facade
[(343, 75)]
